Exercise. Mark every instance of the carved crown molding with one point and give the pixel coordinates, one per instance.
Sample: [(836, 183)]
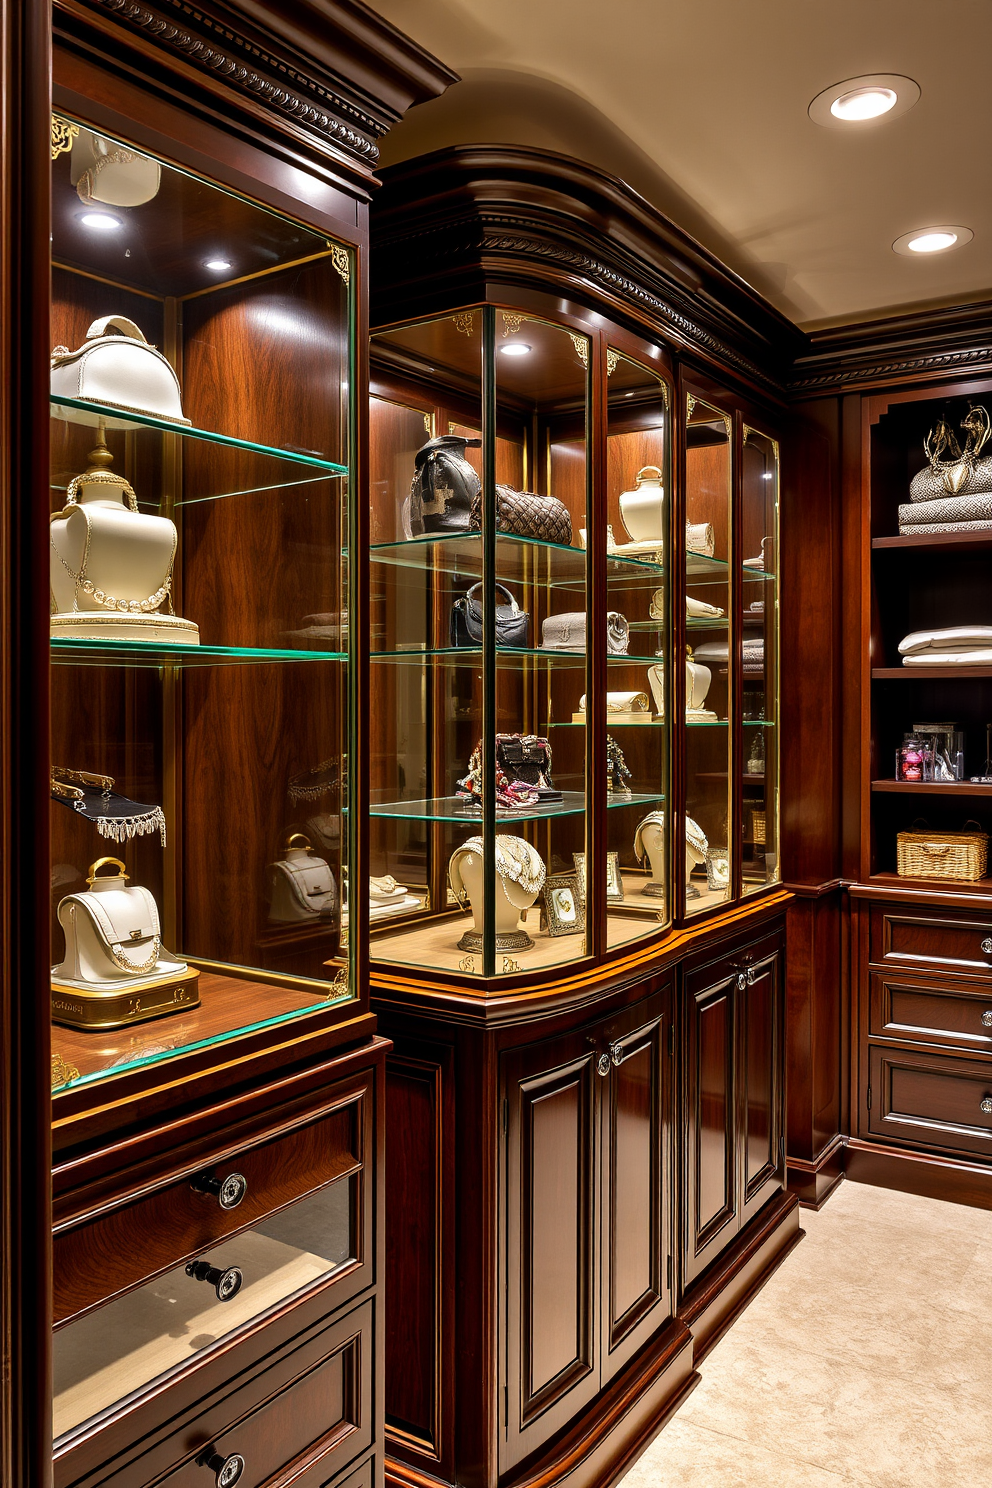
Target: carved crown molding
[(521, 239), (977, 357), (212, 48)]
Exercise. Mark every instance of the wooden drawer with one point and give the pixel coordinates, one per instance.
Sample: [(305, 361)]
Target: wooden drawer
[(952, 942), (930, 1101), (303, 1419), (954, 1014), (126, 1246), (360, 1477)]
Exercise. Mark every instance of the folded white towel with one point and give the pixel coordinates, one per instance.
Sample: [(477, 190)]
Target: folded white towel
[(955, 638), (982, 656)]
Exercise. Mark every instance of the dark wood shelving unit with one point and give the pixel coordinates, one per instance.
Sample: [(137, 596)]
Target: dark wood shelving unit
[(928, 673), (940, 541), (932, 787)]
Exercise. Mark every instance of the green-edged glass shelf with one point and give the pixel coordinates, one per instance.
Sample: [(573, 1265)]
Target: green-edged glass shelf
[(517, 560), (699, 565), (452, 808), (462, 655), (68, 651), (283, 468)]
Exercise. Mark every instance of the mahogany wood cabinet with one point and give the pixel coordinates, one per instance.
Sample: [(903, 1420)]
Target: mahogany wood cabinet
[(192, 1097)]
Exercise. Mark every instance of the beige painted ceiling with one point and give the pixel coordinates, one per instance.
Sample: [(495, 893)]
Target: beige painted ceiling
[(701, 105)]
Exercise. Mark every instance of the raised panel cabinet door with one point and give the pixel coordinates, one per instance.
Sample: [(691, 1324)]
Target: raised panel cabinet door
[(761, 1082), (552, 1094), (711, 1218), (636, 1147)]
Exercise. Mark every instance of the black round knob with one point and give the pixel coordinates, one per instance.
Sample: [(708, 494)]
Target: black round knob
[(227, 1191), (226, 1284), (226, 1470)]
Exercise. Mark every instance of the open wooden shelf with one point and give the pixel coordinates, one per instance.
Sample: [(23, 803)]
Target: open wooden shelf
[(937, 540), (933, 787), (928, 885), (925, 673)]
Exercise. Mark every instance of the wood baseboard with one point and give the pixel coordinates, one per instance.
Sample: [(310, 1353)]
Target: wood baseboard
[(920, 1173), (609, 1436), (814, 1182), (719, 1296)]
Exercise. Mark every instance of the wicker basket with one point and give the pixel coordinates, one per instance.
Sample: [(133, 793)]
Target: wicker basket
[(930, 854), (759, 826)]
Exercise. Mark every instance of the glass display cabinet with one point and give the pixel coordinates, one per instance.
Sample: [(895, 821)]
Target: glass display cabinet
[(759, 819), (201, 716), (519, 643)]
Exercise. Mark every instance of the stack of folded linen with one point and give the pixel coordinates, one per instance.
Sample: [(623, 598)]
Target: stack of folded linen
[(753, 652), (948, 514), (960, 645)]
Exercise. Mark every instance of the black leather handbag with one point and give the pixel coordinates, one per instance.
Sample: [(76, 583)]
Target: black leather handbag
[(527, 757), (444, 486), (512, 623)]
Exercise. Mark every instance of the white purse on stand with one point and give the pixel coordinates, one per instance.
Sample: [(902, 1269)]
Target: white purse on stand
[(303, 887), (114, 954), (116, 366), (111, 565)]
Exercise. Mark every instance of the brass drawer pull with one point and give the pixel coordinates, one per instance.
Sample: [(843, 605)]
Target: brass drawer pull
[(226, 1284), (603, 1065), (617, 1054), (987, 1018), (227, 1470), (227, 1191), (987, 945), (987, 1105)]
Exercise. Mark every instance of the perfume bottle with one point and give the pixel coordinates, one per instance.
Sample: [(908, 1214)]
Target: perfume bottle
[(913, 759)]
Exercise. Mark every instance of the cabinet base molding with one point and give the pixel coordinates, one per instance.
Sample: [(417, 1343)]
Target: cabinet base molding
[(814, 1181), (720, 1295), (920, 1173), (609, 1436)]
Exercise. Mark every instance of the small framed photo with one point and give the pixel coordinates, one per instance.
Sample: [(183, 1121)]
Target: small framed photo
[(614, 883), (564, 910)]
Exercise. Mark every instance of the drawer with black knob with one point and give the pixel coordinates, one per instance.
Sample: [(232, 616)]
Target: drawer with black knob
[(930, 1100), (303, 1417), (178, 1219), (915, 1010)]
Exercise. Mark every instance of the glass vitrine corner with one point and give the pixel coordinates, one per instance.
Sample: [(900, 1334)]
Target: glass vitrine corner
[(201, 838), (759, 646)]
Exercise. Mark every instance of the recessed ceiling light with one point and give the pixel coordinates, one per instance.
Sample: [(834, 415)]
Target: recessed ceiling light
[(515, 348), (100, 221), (864, 103), (938, 239), (860, 100), (218, 265)]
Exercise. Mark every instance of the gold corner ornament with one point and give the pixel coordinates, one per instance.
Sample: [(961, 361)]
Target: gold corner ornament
[(612, 361), (340, 985), (62, 1071), (581, 344), (429, 422), (464, 321), (509, 964), (467, 963), (63, 134), (690, 404), (341, 259), (511, 322)]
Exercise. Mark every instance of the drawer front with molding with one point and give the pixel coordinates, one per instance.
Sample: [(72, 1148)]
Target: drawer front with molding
[(303, 1420), (123, 1248), (953, 943), (953, 1014), (931, 1101)]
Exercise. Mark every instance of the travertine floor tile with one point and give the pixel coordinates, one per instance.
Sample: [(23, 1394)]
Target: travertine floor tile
[(863, 1362)]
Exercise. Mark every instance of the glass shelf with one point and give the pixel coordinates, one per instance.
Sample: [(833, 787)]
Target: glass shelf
[(461, 655), (699, 564), (461, 553), (96, 411), (67, 651), (451, 808)]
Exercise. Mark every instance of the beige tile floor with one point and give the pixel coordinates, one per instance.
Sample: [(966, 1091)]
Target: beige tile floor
[(866, 1360)]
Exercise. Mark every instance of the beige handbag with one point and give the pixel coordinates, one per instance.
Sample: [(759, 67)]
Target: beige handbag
[(116, 366), (106, 173), (621, 707)]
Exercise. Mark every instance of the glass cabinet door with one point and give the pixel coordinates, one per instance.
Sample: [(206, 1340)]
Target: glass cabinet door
[(200, 594), (709, 634), (638, 504), (759, 648), (479, 803)]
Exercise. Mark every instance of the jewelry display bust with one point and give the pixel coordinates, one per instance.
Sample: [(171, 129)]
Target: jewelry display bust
[(520, 875), (649, 842), (111, 565)]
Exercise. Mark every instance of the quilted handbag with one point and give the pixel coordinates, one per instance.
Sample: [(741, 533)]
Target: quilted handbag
[(964, 473), (444, 485), (526, 515), (512, 623), (567, 632), (115, 365), (527, 758)]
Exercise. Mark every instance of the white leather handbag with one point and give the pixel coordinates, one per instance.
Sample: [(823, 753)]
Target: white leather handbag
[(303, 887), (643, 509), (108, 173), (117, 366), (112, 932)]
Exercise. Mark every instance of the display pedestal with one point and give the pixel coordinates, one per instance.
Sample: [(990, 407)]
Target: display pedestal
[(126, 1000)]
